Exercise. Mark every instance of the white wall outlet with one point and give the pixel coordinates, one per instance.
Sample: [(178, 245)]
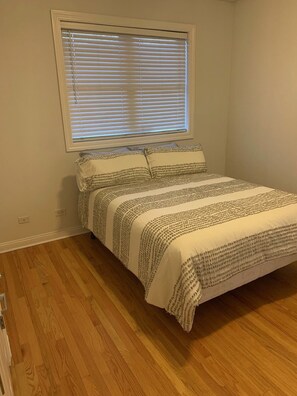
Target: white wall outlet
[(23, 219), (60, 212)]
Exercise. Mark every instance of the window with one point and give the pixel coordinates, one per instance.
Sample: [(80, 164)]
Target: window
[(123, 81)]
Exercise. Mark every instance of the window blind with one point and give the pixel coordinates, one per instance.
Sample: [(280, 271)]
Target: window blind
[(124, 84)]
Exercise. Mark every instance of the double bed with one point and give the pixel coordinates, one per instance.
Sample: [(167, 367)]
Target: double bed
[(191, 237)]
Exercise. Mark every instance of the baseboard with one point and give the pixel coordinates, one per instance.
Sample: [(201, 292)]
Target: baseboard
[(42, 238)]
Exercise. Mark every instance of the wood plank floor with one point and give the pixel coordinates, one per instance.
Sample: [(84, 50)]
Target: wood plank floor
[(79, 325)]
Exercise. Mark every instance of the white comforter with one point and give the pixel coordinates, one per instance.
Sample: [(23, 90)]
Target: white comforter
[(181, 235)]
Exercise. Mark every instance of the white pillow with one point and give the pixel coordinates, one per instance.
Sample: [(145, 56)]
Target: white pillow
[(110, 169), (175, 161)]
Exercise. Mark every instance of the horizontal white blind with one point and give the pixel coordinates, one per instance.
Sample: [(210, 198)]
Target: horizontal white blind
[(124, 84)]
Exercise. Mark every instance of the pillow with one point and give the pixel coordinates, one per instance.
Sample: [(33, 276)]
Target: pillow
[(145, 146), (110, 169), (164, 161), (91, 153)]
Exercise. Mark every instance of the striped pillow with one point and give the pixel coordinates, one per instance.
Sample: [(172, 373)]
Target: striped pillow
[(92, 153), (146, 146), (175, 161), (110, 169)]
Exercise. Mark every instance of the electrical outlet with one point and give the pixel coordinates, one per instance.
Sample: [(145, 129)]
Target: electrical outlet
[(60, 212), (23, 219)]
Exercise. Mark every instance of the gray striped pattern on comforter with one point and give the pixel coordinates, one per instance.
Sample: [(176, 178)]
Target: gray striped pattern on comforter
[(183, 234)]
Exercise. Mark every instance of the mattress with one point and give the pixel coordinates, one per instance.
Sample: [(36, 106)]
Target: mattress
[(189, 238)]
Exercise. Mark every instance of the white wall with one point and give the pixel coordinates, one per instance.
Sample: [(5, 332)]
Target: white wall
[(37, 175), (262, 140)]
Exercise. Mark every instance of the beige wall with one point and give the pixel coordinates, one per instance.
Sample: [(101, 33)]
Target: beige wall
[(37, 175), (262, 140)]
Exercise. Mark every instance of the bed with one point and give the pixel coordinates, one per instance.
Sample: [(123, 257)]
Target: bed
[(191, 237)]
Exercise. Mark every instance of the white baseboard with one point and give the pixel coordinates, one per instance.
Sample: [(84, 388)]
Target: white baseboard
[(42, 238)]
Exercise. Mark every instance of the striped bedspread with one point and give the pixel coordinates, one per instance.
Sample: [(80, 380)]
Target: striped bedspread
[(183, 234)]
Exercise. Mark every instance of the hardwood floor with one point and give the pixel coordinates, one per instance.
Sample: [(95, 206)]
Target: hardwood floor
[(79, 325)]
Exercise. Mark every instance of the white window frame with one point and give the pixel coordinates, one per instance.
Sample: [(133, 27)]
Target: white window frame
[(60, 17)]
